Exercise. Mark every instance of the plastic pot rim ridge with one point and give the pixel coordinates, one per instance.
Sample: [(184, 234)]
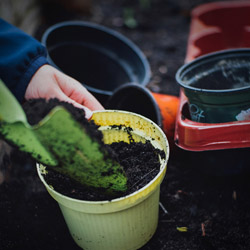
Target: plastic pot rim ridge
[(206, 58)]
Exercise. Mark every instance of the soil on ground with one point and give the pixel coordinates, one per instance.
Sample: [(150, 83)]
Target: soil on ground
[(198, 210)]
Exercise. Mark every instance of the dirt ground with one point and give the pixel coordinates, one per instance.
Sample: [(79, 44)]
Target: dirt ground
[(197, 210)]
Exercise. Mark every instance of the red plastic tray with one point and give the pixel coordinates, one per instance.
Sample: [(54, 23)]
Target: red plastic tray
[(195, 136)]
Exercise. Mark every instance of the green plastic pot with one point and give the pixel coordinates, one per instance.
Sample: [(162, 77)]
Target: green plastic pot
[(127, 222), (217, 86)]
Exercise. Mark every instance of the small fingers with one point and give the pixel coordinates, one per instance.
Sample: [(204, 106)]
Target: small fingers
[(76, 91), (61, 96)]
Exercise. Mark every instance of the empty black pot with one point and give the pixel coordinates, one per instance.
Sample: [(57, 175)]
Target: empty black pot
[(138, 99), (99, 57)]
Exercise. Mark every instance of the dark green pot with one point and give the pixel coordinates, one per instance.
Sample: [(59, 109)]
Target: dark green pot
[(217, 86)]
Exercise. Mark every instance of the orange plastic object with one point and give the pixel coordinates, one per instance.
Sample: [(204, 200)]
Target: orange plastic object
[(168, 105), (218, 25), (196, 136)]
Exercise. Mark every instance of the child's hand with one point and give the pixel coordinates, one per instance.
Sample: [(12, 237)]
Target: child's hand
[(49, 82)]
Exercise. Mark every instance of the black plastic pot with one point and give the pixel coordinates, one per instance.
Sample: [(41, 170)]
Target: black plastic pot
[(138, 99), (99, 57)]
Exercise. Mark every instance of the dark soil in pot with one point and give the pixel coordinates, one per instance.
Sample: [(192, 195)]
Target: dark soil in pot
[(140, 161), (221, 73)]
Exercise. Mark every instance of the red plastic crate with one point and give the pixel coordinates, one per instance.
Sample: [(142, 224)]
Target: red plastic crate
[(218, 25), (214, 26)]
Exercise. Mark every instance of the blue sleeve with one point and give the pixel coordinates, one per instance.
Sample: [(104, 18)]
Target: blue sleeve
[(20, 57)]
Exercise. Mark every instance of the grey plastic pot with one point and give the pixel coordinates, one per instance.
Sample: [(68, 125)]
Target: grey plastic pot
[(100, 58), (217, 86)]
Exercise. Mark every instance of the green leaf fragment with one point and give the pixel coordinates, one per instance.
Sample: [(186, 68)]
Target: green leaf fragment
[(182, 229)]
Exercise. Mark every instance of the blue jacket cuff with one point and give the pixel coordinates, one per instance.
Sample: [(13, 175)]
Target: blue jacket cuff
[(21, 87)]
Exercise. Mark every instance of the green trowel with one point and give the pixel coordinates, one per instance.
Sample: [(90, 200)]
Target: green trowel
[(60, 142)]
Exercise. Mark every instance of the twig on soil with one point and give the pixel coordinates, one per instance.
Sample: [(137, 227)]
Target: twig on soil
[(163, 208), (234, 195), (203, 229), (142, 178)]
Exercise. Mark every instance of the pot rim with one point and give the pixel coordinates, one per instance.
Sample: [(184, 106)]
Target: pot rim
[(134, 200), (112, 33), (204, 59)]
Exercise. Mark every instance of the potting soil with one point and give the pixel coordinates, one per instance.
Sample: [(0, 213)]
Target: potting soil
[(226, 74)]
